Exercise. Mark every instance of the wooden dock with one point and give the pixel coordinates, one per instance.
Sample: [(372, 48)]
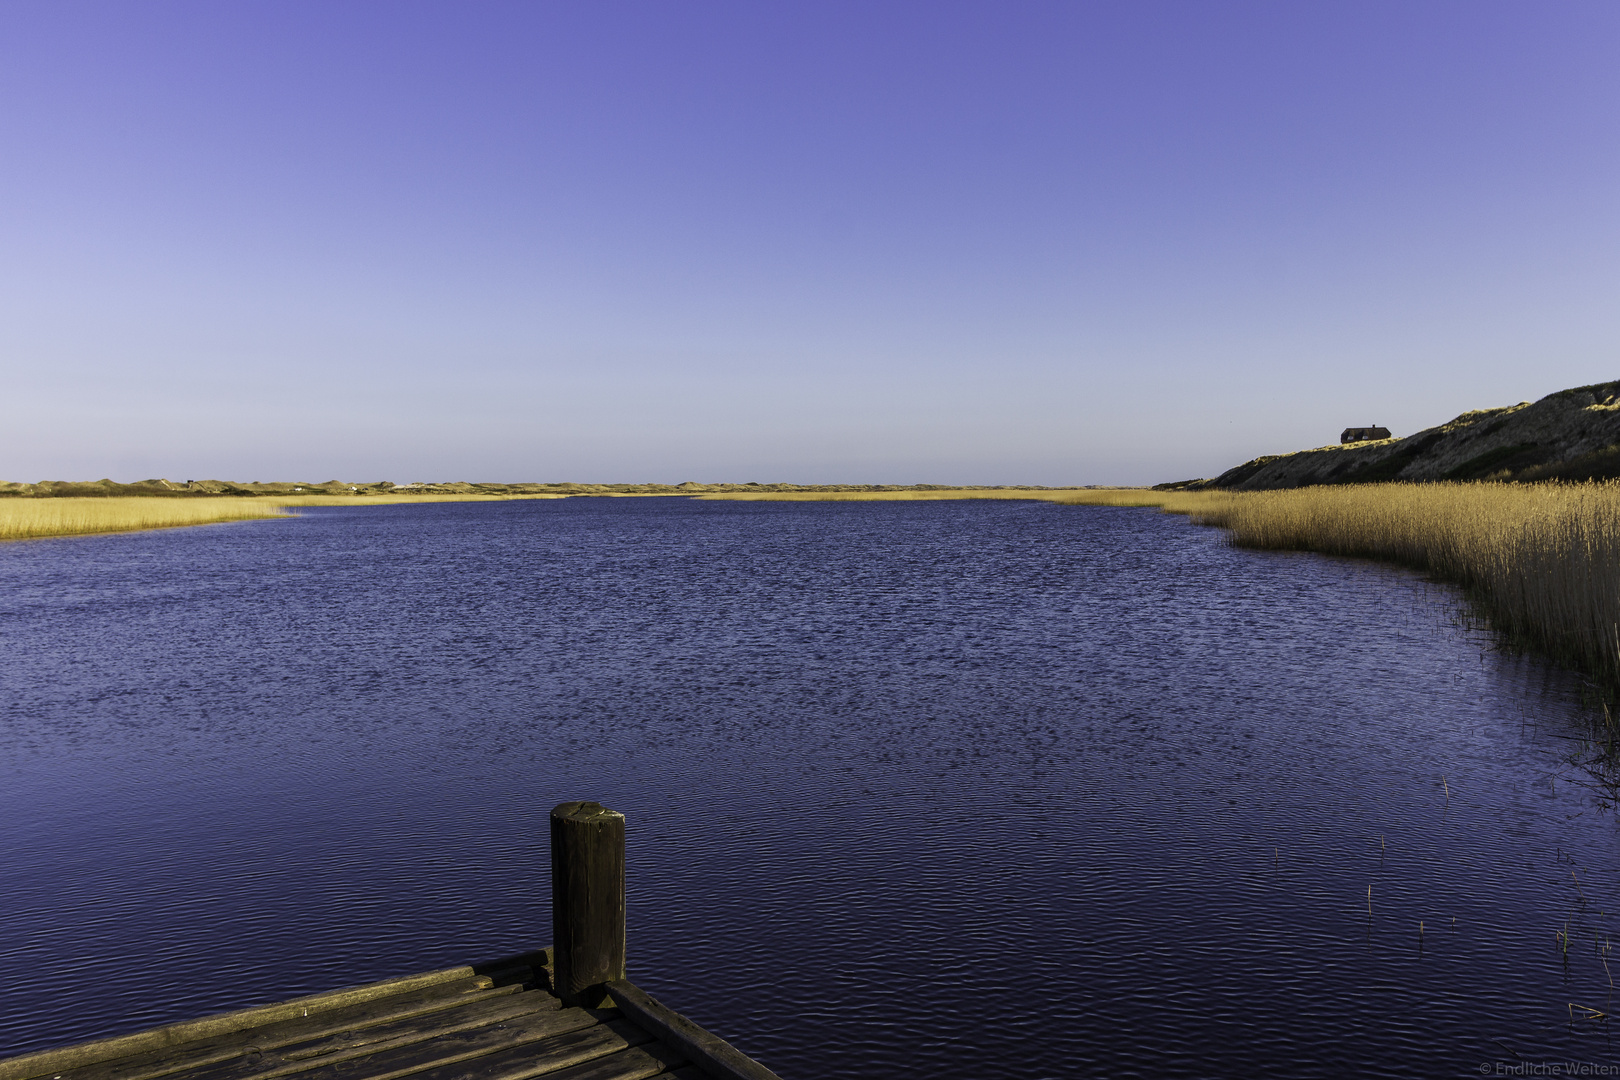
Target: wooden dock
[(563, 1013)]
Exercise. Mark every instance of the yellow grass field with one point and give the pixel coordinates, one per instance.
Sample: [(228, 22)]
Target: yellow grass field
[(25, 519), (29, 519)]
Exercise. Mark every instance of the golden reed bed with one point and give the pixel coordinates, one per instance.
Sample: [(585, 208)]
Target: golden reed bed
[(32, 518), (24, 519)]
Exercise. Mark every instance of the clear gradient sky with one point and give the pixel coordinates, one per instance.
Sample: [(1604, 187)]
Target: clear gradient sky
[(814, 242)]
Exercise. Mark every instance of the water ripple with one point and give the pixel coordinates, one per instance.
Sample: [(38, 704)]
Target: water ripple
[(945, 789)]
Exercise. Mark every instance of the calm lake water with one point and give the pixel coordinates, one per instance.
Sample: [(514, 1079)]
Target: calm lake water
[(930, 789)]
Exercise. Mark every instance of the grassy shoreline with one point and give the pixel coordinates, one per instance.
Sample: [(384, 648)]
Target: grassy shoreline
[(918, 495), (40, 519), (1542, 561), (37, 519)]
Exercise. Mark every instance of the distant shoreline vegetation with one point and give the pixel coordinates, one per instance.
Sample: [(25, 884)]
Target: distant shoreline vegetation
[(339, 488)]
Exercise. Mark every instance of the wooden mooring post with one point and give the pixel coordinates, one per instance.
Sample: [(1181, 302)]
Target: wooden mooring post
[(511, 1019), (587, 901)]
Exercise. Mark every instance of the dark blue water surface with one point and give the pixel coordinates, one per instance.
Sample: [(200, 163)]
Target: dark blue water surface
[(914, 789)]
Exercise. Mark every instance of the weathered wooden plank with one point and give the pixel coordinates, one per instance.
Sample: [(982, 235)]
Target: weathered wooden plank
[(587, 900), (448, 1050), (709, 1052), (310, 1054), (52, 1062), (533, 968), (636, 1063), (200, 1053), (544, 1057), (465, 1018)]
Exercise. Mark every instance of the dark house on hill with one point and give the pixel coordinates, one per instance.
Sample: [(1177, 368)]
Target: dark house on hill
[(1363, 434)]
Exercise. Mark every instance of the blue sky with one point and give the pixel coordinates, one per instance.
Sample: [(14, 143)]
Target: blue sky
[(820, 242)]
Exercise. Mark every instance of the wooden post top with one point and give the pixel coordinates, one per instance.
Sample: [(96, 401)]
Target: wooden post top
[(584, 812)]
